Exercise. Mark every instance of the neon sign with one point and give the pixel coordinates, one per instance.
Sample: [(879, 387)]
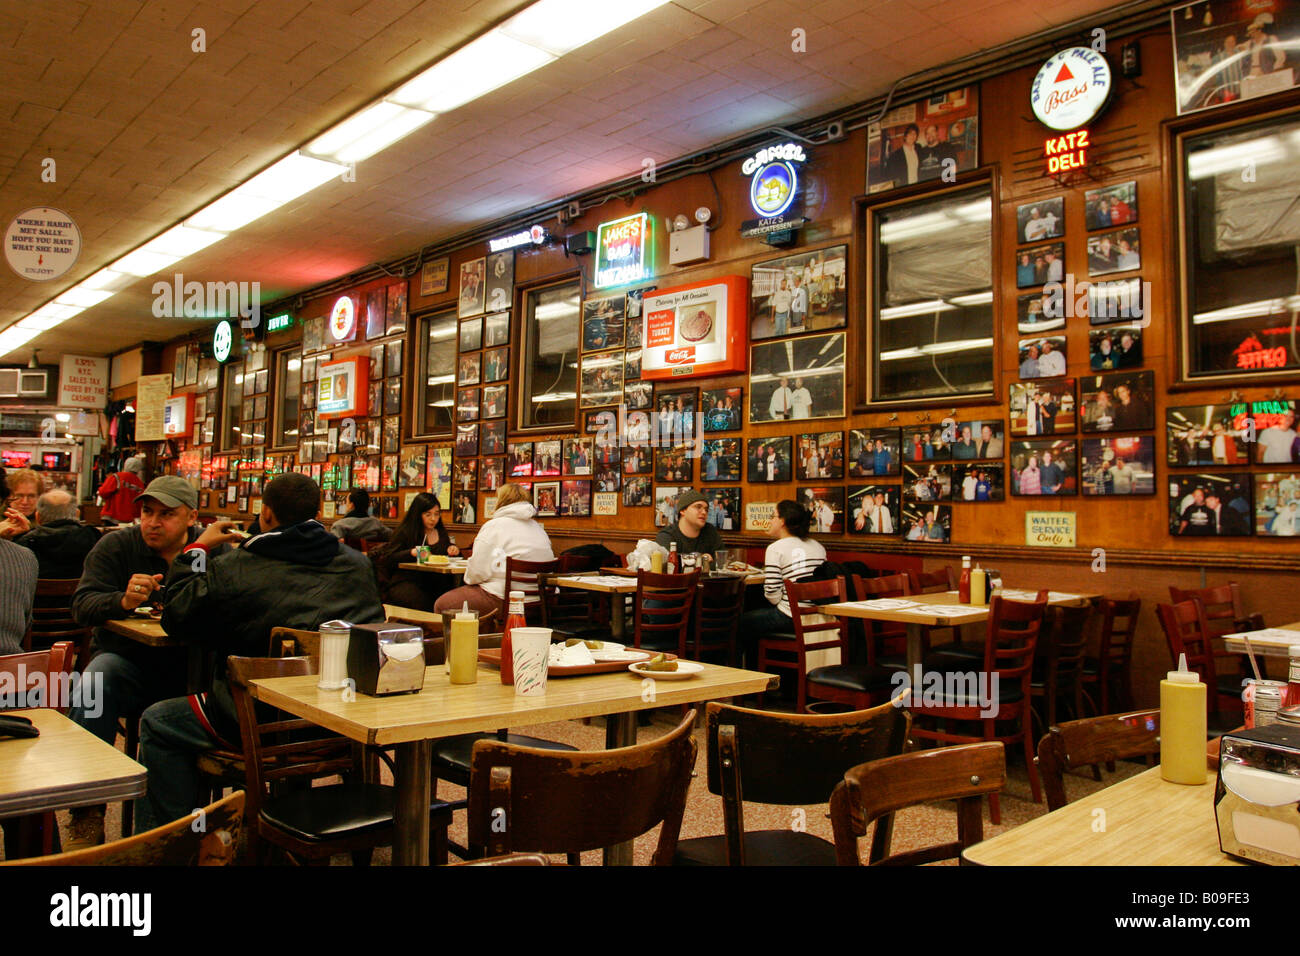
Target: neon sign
[(343, 319), (621, 250), (774, 189), (536, 235), (1071, 88), (223, 339), (1066, 152)]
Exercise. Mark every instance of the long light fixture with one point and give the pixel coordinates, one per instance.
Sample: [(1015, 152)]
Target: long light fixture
[(532, 38)]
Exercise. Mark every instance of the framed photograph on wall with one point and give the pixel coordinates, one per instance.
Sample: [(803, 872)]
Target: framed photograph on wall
[(720, 460), (496, 364), (376, 314), (924, 482), (1109, 206), (638, 395), (519, 458), (1119, 401), (769, 458), (797, 378), (1116, 347), (492, 438), (1043, 219), (1039, 265), (575, 499), (1042, 357), (546, 498), (1199, 435), (495, 401), (977, 482), (978, 440), (471, 334), (1226, 51), (496, 329), (1210, 505), (577, 456), (874, 452), (926, 522), (1118, 251), (917, 142), (500, 280), (493, 475), (546, 458), (826, 505), (819, 455), (1275, 432), (637, 492), (873, 509), (466, 441), (805, 292), (601, 379), (674, 464), (665, 499), (1277, 504), (1044, 467), (1118, 466), (603, 323), (472, 288), (470, 369), (723, 409), (1043, 408), (464, 475), (725, 511), (467, 405)]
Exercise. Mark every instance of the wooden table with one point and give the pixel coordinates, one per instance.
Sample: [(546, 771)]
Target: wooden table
[(456, 568), (147, 631), (1148, 822), (934, 613), (411, 722), (64, 767), (618, 583), (1271, 642)]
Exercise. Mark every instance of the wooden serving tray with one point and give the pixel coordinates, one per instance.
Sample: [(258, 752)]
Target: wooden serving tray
[(492, 655)]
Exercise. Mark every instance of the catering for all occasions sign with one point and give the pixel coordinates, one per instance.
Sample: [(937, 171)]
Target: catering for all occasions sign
[(695, 329)]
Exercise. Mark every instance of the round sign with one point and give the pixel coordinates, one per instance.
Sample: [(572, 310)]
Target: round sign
[(42, 243), (223, 338), (1071, 88), (773, 188), (343, 319)]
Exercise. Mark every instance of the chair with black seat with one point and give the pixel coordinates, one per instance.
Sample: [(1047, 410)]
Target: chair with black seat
[(661, 610), (858, 685), (786, 760), (1225, 613), (886, 640), (876, 791), (1092, 741), (1009, 643), (716, 627), (1187, 632), (1110, 670), (311, 823), (587, 800), (52, 619), (1058, 663), (570, 612)]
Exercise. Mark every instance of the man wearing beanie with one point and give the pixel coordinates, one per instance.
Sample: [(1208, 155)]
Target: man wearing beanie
[(691, 532)]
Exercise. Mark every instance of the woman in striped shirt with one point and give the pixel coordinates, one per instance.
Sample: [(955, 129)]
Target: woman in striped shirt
[(793, 555)]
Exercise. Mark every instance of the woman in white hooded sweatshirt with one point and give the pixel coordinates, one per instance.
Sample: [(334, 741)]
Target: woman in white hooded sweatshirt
[(512, 532)]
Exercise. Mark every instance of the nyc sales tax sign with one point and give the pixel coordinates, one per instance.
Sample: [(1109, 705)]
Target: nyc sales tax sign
[(1071, 89), (696, 329), (1050, 529)]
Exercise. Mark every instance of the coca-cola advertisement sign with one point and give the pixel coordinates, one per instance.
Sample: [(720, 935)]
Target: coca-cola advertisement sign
[(1071, 88), (695, 329)]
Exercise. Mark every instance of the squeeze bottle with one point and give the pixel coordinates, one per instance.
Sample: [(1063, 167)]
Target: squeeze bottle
[(1182, 726)]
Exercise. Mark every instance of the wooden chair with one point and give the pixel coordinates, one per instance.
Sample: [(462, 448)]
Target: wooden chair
[(1058, 669), (1225, 613), (858, 685), (716, 627), (886, 641), (569, 612), (1110, 670), (52, 619), (788, 760), (661, 610), (1013, 631), (48, 670), (514, 859), (180, 843), (522, 576), (1187, 632), (311, 823), (525, 799), (1092, 741), (877, 790)]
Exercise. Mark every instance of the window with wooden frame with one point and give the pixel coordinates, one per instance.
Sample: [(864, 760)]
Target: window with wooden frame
[(288, 389), (435, 404)]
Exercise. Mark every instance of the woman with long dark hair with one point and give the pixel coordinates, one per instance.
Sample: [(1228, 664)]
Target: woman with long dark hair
[(422, 526), (792, 556)]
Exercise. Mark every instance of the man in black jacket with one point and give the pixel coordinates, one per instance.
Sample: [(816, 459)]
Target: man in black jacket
[(294, 574), (60, 541)]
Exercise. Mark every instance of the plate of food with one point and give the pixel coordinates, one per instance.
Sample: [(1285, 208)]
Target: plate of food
[(666, 667), (152, 613)]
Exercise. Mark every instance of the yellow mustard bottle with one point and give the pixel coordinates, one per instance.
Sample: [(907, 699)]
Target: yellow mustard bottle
[(464, 647), (1182, 726), (979, 596)]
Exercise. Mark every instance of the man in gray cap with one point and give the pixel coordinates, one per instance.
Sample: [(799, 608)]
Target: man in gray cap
[(124, 571), (691, 532)]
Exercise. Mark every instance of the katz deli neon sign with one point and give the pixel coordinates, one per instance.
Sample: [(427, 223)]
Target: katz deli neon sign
[(1066, 152)]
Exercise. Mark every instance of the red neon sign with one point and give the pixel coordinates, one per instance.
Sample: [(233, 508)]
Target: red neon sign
[(1067, 151)]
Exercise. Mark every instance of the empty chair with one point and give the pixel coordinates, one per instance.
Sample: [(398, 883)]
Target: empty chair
[(874, 792), (1092, 741), (530, 800), (788, 760), (1058, 664), (570, 612), (1012, 635), (1187, 632), (1111, 669), (311, 823), (718, 607), (52, 619), (940, 582), (886, 640), (1225, 613), (661, 611), (179, 843)]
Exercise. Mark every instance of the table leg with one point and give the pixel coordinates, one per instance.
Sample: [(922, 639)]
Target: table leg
[(620, 731), (414, 794), (618, 618), (913, 651)]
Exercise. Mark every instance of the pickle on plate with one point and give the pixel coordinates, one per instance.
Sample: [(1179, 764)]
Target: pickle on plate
[(594, 645), (573, 642), (660, 663)]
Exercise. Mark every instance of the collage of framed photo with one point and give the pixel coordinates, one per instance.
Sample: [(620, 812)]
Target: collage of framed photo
[(805, 292), (874, 452), (797, 378), (873, 509)]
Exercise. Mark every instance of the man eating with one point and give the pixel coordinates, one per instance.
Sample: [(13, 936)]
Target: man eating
[(691, 532)]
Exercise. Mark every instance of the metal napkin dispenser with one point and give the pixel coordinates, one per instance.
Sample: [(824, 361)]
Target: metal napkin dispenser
[(386, 658), (1257, 797)]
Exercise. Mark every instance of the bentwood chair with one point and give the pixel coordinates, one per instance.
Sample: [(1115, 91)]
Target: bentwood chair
[(530, 800), (52, 619), (1092, 741), (1058, 665), (1188, 632), (790, 760), (1009, 643), (873, 792), (38, 672), (858, 685), (1225, 613), (661, 610), (716, 627), (311, 823), (886, 641), (1111, 669), (180, 843)]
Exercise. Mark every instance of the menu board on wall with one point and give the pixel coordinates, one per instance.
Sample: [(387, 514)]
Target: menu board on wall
[(151, 394), (696, 329)]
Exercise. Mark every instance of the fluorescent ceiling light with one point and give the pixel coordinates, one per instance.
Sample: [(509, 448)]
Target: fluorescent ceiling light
[(83, 298), (14, 338), (363, 134), (916, 308), (490, 62), (182, 241), (1248, 310), (109, 279), (33, 324), (555, 397), (559, 26), (270, 189), (144, 263), (57, 311), (232, 212), (979, 298), (959, 345)]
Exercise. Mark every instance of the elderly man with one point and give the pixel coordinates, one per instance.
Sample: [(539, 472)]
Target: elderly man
[(692, 532), (124, 571), (294, 574), (60, 540)]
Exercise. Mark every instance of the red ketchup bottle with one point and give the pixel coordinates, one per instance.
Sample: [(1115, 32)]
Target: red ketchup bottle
[(963, 583), (513, 620)]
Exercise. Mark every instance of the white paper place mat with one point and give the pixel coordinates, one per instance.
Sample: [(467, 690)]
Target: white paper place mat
[(607, 580), (884, 604), (1276, 634)]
